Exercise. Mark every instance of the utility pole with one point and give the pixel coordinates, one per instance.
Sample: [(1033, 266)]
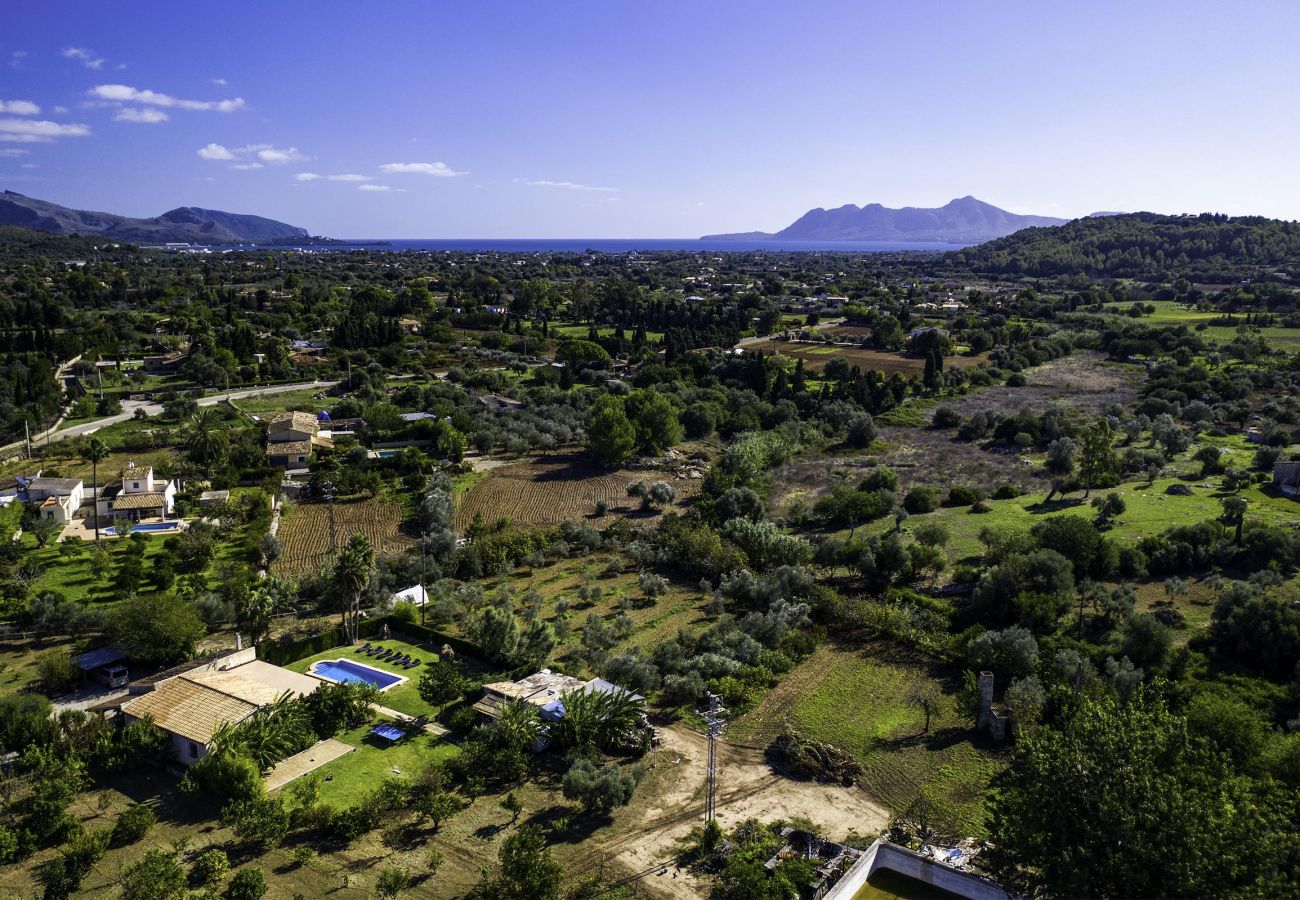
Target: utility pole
[(714, 717), (328, 490)]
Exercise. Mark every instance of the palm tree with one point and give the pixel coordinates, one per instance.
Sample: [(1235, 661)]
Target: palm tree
[(95, 451), (206, 442), (352, 574), (519, 725)]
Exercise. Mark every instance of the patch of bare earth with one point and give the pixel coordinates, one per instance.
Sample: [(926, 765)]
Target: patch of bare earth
[(548, 490), (671, 802)]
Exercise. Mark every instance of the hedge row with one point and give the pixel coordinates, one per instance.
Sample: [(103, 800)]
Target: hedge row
[(284, 651)]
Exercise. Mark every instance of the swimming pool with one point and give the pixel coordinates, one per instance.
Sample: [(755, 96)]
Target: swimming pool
[(147, 527), (345, 670)]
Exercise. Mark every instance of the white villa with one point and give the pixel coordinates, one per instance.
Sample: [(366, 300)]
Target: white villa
[(57, 499), (139, 496)]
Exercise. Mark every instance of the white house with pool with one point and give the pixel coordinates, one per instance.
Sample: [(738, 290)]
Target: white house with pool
[(139, 497)]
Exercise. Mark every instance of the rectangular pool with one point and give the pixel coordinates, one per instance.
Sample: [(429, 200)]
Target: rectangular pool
[(146, 527), (345, 670)]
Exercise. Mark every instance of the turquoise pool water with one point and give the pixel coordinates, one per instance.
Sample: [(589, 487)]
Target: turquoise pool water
[(146, 527), (347, 670)]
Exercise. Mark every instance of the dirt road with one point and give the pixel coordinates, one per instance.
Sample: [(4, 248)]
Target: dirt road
[(747, 788)]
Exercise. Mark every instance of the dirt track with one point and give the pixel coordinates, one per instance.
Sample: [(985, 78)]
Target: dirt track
[(748, 788)]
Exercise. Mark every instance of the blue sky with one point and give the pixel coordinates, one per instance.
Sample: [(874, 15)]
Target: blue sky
[(663, 119)]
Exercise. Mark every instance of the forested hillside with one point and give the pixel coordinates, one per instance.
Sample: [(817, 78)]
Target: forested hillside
[(1141, 245)]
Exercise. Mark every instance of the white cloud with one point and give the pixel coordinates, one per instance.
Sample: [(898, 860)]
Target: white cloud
[(215, 151), (38, 131), (30, 166), (219, 82), (13, 152), (122, 93), (84, 55), (279, 157), (143, 116), (312, 176), (16, 59), (252, 155), (572, 186), (439, 169), (20, 107), (61, 110), (380, 188)]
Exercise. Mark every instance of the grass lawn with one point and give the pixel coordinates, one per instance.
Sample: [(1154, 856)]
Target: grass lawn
[(73, 579), (578, 330), (353, 776), (1150, 511), (270, 404), (1171, 312), (858, 700), (18, 662)]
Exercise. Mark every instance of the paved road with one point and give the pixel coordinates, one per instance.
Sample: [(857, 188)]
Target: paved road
[(129, 408)]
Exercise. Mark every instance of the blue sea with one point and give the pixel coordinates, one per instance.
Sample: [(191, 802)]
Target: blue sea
[(633, 245)]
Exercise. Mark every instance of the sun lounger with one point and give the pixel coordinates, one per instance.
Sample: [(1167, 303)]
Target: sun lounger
[(383, 656), (412, 664), (363, 648), (374, 651)]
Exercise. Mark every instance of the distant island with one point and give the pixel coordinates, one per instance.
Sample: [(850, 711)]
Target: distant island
[(962, 221), (185, 224)]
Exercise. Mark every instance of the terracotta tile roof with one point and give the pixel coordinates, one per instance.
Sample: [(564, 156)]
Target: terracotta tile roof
[(151, 500), (235, 685), (298, 421), (289, 448), (191, 709)]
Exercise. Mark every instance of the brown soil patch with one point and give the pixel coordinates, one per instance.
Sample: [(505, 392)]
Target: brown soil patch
[(564, 488), (816, 356)]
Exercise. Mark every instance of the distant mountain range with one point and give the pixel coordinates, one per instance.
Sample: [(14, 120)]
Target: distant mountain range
[(962, 221), (185, 224)]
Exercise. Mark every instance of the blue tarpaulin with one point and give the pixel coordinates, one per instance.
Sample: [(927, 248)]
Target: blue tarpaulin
[(388, 732)]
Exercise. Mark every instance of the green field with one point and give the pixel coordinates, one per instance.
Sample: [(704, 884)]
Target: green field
[(1150, 511), (579, 330), (858, 701), (1171, 312)]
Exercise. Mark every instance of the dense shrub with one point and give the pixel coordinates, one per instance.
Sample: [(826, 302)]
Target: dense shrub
[(921, 499), (133, 824)]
